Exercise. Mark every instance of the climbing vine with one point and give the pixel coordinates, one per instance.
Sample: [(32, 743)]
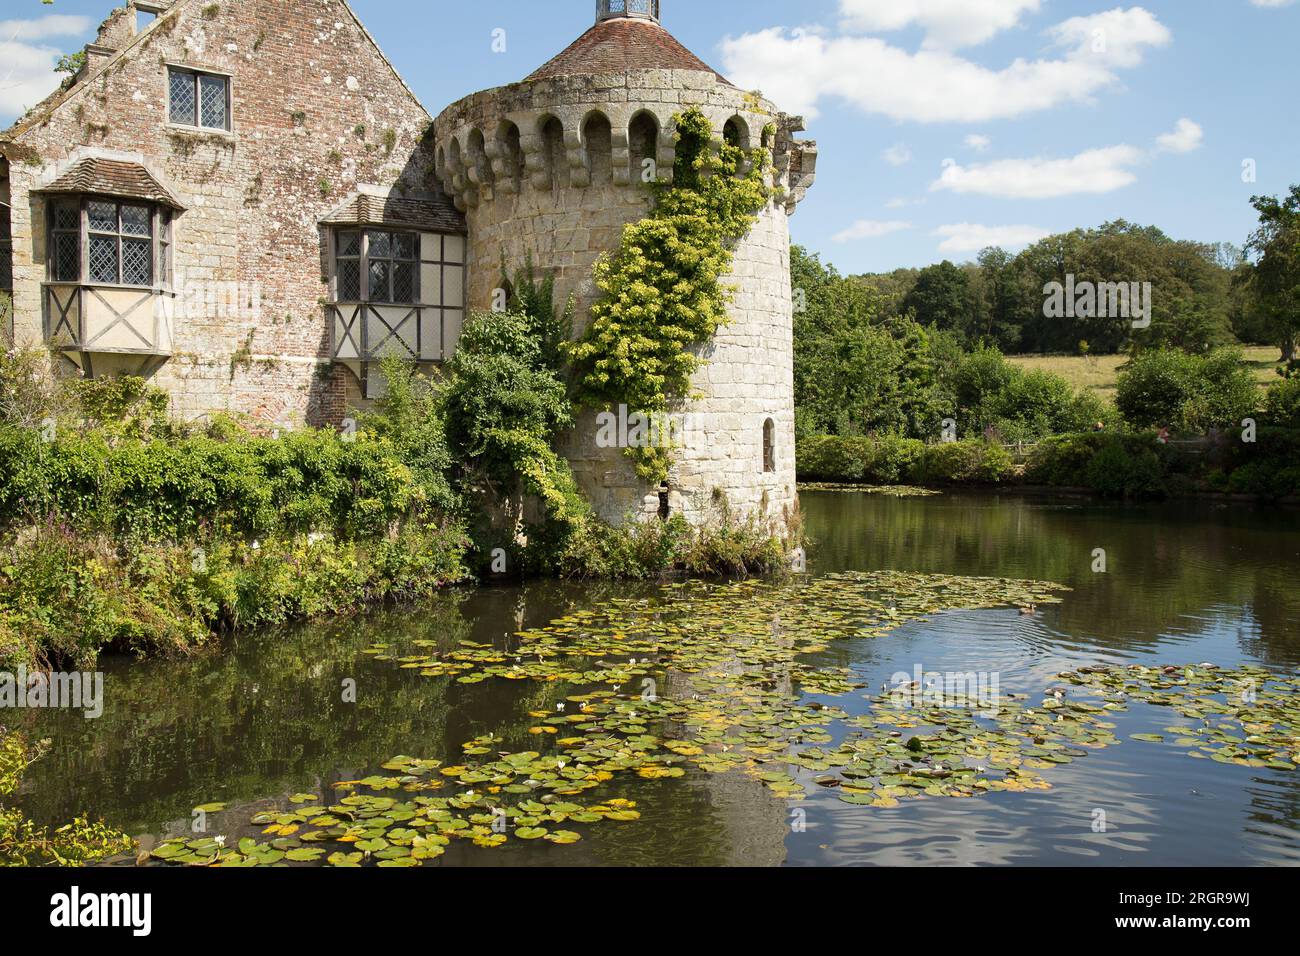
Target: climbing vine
[(662, 290)]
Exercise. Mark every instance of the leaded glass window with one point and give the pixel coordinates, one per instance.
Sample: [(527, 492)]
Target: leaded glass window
[(389, 261), (65, 242), (6, 252), (348, 259), (195, 99), (119, 242)]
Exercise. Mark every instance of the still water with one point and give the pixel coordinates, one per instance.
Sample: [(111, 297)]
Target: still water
[(264, 718)]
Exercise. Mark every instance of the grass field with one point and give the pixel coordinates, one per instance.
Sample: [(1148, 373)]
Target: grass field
[(1100, 372)]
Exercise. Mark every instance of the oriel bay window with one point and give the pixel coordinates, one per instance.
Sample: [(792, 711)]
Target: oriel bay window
[(109, 242), (396, 292)]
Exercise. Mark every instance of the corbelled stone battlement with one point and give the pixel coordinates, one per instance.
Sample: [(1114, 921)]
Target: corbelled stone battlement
[(571, 132)]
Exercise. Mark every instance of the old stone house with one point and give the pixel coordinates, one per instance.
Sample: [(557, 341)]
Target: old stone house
[(243, 201)]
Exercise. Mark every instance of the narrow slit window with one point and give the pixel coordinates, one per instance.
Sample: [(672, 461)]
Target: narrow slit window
[(769, 446)]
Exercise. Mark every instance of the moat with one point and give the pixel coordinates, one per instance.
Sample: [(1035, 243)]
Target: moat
[(264, 719)]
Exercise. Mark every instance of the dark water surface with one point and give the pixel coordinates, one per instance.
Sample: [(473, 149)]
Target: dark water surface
[(1186, 582)]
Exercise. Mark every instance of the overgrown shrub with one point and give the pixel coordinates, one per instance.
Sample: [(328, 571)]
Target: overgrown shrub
[(1186, 393), (1019, 404), (1282, 404), (1114, 465), (885, 460), (964, 462)]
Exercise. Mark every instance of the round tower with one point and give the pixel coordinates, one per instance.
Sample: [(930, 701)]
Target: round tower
[(552, 168)]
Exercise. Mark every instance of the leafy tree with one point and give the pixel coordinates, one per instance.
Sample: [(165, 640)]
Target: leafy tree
[(1169, 388), (942, 299), (1276, 279)]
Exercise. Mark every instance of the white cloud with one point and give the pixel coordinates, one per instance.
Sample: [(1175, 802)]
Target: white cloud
[(978, 143), (27, 75), (1185, 138), (870, 229), (898, 155), (1094, 171), (798, 69), (1272, 3), (972, 237), (948, 24)]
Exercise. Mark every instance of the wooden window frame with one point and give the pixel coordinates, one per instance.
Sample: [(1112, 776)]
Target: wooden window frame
[(197, 76), (161, 241)]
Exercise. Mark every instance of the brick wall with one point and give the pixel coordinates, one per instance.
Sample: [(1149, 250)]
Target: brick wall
[(317, 110)]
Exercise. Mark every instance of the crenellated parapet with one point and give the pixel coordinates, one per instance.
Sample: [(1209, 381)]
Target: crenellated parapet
[(574, 132)]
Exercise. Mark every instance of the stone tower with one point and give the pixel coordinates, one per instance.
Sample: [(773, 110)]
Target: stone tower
[(552, 168)]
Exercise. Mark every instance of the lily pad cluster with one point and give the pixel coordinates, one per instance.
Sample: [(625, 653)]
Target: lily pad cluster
[(1247, 715), (699, 677), (888, 491)]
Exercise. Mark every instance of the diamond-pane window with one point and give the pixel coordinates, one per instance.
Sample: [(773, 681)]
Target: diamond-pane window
[(67, 217), (212, 102), (198, 99), (137, 221), (67, 257), (381, 245), (103, 259), (349, 244), (404, 245), (379, 275), (118, 244), (137, 262), (350, 281), (403, 282), (102, 216), (183, 101)]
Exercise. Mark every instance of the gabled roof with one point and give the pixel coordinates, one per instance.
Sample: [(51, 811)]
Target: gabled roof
[(70, 90), (623, 45), (436, 214), (113, 177)]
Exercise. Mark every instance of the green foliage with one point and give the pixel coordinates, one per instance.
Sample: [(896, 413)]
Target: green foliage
[(23, 842), (964, 462), (66, 595), (1187, 393), (883, 460), (1019, 404), (1282, 404), (410, 416), (153, 489), (1114, 465), (1275, 279), (662, 291), (504, 406), (892, 461)]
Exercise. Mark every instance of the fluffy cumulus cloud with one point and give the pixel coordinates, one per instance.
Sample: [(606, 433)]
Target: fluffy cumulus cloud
[(870, 229), (948, 24), (1094, 171), (1185, 138), (965, 237), (27, 59), (799, 69)]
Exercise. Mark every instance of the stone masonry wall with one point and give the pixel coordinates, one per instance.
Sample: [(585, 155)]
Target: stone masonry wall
[(317, 111), (494, 157)]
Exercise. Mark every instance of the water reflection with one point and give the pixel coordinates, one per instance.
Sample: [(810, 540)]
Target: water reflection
[(266, 716)]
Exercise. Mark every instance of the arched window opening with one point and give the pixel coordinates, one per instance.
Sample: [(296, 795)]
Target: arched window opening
[(598, 144), (769, 447), (736, 133), (553, 151), (512, 152), (643, 148), (478, 159)]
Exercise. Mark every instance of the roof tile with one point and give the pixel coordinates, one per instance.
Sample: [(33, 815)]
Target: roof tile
[(623, 45)]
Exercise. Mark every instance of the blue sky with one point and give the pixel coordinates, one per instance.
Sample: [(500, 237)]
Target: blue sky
[(943, 124)]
